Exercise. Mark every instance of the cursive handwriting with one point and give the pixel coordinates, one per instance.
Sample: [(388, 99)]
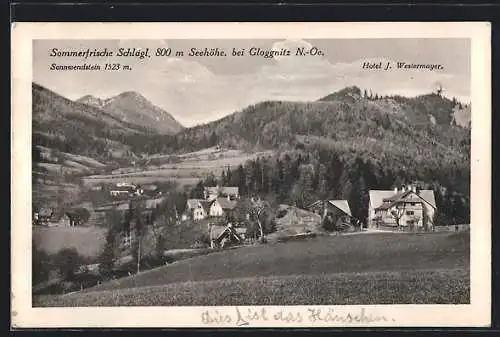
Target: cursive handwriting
[(246, 316)]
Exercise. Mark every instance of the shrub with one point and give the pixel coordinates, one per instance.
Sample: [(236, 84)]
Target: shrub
[(67, 261)]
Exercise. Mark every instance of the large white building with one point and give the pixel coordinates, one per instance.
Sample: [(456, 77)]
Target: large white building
[(408, 207)]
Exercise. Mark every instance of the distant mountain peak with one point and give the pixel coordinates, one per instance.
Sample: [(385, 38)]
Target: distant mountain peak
[(132, 107), (91, 100)]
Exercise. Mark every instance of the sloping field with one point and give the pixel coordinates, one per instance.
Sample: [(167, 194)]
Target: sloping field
[(408, 287), (390, 267)]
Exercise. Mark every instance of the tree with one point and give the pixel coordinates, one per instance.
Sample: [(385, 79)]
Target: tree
[(213, 139), (198, 191), (261, 212), (160, 248), (397, 213), (139, 233), (107, 257), (41, 265), (67, 260)]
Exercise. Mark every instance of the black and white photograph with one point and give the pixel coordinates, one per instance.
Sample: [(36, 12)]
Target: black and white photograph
[(249, 173)]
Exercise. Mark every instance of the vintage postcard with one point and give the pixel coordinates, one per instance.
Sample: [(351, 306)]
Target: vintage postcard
[(251, 174)]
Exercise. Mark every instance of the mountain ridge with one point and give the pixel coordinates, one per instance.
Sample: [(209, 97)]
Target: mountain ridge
[(133, 107)]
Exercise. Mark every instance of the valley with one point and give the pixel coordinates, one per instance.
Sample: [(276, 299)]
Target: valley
[(102, 155)]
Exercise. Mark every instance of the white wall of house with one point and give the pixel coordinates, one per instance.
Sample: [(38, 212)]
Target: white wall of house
[(421, 213), (199, 213), (216, 209)]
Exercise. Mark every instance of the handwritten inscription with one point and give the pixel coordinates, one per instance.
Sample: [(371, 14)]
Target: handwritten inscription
[(248, 316)]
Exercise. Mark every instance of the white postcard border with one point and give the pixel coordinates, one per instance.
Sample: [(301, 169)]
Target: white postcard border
[(475, 314)]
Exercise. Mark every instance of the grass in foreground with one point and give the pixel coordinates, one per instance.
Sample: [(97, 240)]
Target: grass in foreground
[(447, 286), (322, 255)]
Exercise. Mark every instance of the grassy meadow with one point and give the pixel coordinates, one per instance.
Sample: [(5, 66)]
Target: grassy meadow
[(360, 269), (187, 170)]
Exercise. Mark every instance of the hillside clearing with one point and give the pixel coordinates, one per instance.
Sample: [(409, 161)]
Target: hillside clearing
[(191, 167)]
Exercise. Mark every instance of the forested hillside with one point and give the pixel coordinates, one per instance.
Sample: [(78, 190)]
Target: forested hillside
[(72, 127)]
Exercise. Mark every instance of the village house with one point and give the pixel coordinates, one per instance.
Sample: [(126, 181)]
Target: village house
[(408, 208), (43, 216), (74, 219), (336, 212), (123, 190), (222, 206), (223, 236), (212, 193), (196, 209)]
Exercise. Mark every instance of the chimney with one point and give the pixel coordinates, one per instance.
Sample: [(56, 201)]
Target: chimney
[(414, 188), (395, 190)]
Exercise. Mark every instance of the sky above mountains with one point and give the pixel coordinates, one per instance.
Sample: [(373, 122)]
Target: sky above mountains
[(199, 89)]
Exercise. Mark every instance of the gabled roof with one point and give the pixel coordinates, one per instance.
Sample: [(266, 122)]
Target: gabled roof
[(382, 199), (229, 231), (193, 203), (226, 204), (229, 190), (343, 205), (206, 205), (398, 196), (212, 189)]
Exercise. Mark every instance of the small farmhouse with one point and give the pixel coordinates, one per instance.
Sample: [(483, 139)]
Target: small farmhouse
[(195, 209), (408, 207), (65, 221), (335, 214), (223, 236), (74, 218), (124, 189), (212, 193), (43, 216), (222, 206)]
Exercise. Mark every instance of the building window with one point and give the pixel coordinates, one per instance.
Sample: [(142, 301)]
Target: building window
[(409, 212)]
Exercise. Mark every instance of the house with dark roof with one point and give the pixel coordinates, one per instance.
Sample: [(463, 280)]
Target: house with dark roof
[(223, 236), (196, 209), (335, 214), (213, 192), (43, 216), (405, 208), (222, 206)]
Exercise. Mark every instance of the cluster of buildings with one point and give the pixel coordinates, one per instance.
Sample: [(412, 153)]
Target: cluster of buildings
[(404, 208), (218, 201), (49, 217)]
